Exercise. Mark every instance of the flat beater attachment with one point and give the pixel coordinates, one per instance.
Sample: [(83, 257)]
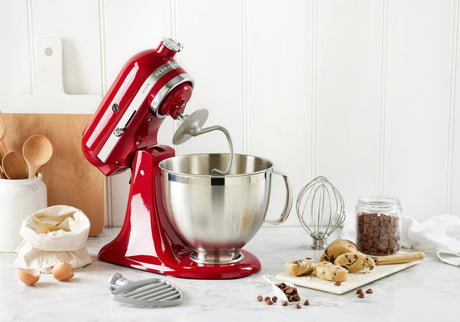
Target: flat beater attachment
[(154, 292)]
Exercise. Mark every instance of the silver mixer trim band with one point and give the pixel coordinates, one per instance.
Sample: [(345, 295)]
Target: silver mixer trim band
[(211, 180), (140, 97), (174, 82)]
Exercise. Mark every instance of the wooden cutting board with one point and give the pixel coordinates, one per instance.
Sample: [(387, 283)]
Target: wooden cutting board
[(70, 179), (353, 281)]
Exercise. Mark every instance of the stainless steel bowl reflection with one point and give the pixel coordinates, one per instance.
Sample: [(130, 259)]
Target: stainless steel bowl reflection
[(218, 214)]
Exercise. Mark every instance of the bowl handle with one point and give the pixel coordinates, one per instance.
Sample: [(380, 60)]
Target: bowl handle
[(287, 204)]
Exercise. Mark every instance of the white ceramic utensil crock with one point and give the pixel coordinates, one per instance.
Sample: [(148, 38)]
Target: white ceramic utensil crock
[(18, 200)]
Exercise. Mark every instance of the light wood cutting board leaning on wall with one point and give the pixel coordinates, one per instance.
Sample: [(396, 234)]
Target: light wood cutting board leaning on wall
[(69, 177)]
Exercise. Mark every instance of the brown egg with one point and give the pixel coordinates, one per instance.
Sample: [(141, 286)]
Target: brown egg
[(29, 276), (62, 271)]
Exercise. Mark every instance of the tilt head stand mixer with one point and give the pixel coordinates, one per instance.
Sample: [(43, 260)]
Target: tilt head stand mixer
[(121, 135)]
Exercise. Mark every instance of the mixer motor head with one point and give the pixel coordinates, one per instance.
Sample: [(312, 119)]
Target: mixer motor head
[(150, 87)]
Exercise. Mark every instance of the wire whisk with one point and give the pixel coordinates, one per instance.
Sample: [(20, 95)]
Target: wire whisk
[(320, 209)]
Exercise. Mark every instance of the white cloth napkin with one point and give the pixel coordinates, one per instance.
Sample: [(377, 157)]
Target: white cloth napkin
[(439, 234), (449, 257)]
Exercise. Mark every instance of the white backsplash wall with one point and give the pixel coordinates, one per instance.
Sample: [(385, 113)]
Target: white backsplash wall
[(363, 92)]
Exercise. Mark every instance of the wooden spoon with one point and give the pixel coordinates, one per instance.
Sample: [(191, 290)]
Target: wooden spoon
[(37, 150), (3, 149), (14, 165)]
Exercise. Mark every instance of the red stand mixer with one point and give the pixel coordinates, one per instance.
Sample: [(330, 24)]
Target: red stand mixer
[(121, 135)]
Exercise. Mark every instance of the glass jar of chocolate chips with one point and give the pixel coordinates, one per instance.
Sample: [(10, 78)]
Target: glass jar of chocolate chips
[(378, 225)]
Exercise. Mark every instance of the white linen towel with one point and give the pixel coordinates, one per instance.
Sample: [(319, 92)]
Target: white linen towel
[(439, 234)]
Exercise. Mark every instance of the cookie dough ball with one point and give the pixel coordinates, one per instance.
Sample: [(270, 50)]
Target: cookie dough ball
[(301, 266), (336, 248), (355, 262), (331, 272)]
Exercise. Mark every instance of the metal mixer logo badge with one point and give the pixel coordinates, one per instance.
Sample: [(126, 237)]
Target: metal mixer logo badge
[(163, 69)]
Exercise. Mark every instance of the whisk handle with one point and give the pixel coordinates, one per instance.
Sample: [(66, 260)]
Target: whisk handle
[(288, 202)]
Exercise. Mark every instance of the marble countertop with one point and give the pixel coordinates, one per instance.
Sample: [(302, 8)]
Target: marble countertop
[(429, 290)]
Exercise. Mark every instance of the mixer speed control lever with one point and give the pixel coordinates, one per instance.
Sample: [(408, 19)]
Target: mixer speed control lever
[(120, 130)]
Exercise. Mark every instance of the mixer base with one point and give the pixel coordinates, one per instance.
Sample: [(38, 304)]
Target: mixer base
[(186, 267)]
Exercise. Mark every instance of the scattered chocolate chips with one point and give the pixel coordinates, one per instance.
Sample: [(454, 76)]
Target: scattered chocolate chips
[(361, 293), (291, 294), (338, 283)]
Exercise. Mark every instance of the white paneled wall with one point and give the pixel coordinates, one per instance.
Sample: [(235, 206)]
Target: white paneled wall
[(453, 170), (364, 92), (213, 56), (348, 93), (77, 23), (417, 103), (277, 103)]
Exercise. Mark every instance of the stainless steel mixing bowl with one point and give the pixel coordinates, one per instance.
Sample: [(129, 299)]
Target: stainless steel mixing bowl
[(218, 214)]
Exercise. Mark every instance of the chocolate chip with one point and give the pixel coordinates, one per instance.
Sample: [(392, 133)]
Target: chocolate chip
[(369, 291), (284, 303), (359, 291), (289, 290), (297, 306), (260, 298), (338, 283), (306, 302), (361, 295), (294, 298), (274, 299)]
